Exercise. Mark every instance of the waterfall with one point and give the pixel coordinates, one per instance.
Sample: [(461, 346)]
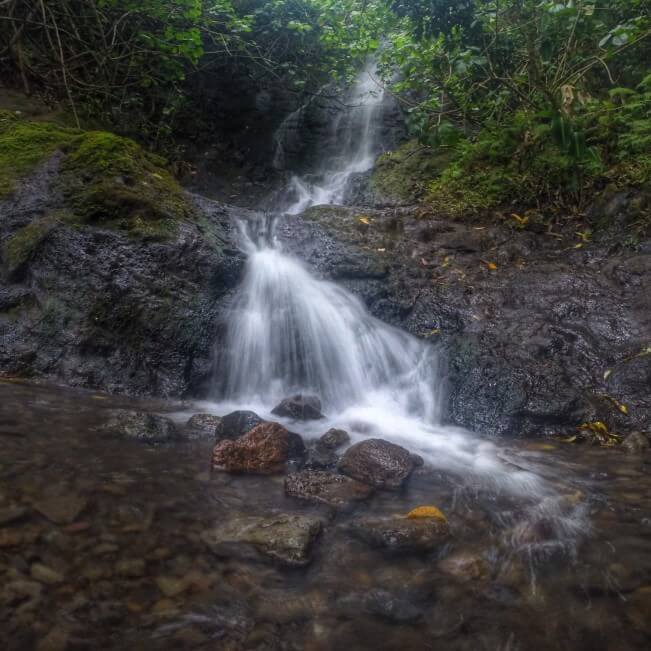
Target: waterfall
[(355, 130), (291, 332)]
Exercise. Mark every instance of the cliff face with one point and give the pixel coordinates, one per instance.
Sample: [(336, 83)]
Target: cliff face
[(112, 276), (537, 336)]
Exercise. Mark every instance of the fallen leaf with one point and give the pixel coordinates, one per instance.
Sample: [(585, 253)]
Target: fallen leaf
[(426, 512), (381, 250), (579, 245), (491, 265), (363, 219), (607, 373)]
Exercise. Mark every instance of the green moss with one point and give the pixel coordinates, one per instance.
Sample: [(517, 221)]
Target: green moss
[(21, 245), (23, 145), (112, 180), (404, 174)]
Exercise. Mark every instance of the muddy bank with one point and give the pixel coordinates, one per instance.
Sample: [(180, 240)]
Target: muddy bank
[(539, 332)]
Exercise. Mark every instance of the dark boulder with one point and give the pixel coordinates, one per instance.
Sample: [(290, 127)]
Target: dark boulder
[(235, 424), (378, 463), (334, 439), (380, 603), (299, 407)]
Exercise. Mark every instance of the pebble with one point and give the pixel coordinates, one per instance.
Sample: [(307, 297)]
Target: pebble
[(131, 568), (44, 574)]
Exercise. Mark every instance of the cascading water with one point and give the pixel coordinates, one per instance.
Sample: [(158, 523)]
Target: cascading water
[(355, 130), (291, 332)]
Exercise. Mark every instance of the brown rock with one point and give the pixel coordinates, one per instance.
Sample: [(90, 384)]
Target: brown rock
[(264, 450), (378, 463), (61, 509)]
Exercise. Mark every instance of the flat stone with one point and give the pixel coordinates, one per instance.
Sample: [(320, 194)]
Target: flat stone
[(400, 534), (61, 509), (285, 538), (131, 567), (204, 425), (378, 463), (326, 488), (140, 426)]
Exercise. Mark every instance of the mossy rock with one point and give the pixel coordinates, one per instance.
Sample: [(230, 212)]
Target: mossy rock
[(19, 248), (404, 174), (24, 145), (112, 180)]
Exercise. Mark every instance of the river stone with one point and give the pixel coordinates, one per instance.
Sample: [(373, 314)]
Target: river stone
[(61, 509), (334, 439), (140, 426), (11, 514), (636, 442), (400, 534), (204, 424), (264, 450), (378, 463), (236, 423), (286, 539), (381, 603), (44, 574), (299, 407), (325, 487), (320, 458)]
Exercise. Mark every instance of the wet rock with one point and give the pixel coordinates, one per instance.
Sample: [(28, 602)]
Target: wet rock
[(204, 425), (44, 574), (378, 463), (320, 458), (334, 439), (10, 538), (284, 538), (399, 534), (636, 442), (139, 426), (381, 603), (21, 590), (299, 407), (326, 488), (171, 586), (131, 567), (264, 450), (61, 509), (11, 514), (56, 640), (236, 423)]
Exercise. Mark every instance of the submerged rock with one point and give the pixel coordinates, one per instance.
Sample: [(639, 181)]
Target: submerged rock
[(61, 509), (400, 534), (299, 407), (264, 450), (325, 487), (204, 424), (378, 463), (236, 423), (285, 538), (11, 514), (140, 426), (636, 442), (320, 458), (381, 603)]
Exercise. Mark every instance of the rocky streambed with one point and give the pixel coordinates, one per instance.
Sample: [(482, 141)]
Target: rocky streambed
[(123, 525)]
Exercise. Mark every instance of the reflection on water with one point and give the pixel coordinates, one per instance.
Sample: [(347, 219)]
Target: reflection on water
[(125, 566)]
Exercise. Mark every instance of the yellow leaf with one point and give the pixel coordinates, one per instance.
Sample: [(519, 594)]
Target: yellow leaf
[(446, 261), (491, 265), (623, 409), (363, 219), (607, 373), (584, 235), (579, 245), (426, 512), (521, 220)]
